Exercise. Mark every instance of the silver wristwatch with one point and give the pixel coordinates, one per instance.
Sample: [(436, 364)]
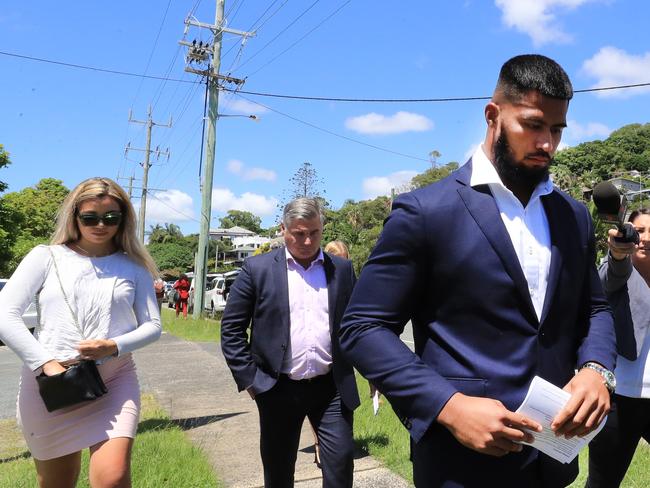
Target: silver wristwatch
[(608, 377)]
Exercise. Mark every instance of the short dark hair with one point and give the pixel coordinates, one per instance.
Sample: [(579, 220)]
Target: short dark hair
[(637, 212), (527, 72)]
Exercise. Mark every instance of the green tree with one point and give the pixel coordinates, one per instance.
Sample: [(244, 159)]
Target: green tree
[(358, 224), (433, 174), (166, 233), (172, 258), (433, 157), (305, 182), (241, 218), (4, 161), (9, 220), (35, 209)]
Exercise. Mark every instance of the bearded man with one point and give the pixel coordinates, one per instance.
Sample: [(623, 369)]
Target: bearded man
[(495, 269)]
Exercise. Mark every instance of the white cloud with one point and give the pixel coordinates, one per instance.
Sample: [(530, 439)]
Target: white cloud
[(237, 167), (381, 185), (374, 123), (576, 132), (537, 18), (169, 206), (224, 199), (259, 174), (612, 67), (240, 106)]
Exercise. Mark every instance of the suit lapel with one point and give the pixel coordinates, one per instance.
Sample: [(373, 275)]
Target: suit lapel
[(282, 285), (331, 289), (559, 245), (483, 208)]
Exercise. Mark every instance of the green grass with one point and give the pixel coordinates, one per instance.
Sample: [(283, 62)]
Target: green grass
[(162, 456), (384, 438), (201, 330), (637, 475)]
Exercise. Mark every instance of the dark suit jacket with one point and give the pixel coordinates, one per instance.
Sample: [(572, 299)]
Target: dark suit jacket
[(445, 261), (259, 297)]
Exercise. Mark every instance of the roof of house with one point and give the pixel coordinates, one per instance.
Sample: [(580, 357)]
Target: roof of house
[(232, 231)]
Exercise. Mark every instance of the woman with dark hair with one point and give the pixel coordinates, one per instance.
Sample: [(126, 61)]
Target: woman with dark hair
[(182, 286), (96, 302), (626, 280)]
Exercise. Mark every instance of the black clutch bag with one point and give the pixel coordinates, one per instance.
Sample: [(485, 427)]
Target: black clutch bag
[(81, 382)]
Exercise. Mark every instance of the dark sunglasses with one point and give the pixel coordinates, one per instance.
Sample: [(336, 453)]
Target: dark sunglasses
[(91, 219)]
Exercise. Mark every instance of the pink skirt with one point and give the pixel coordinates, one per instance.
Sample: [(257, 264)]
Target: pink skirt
[(54, 434)]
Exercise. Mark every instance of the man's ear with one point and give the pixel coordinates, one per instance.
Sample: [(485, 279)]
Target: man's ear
[(492, 112)]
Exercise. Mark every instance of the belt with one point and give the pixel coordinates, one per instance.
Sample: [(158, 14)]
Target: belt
[(313, 379)]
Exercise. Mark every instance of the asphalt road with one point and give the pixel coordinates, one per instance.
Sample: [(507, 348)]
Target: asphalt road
[(9, 376), (10, 372)]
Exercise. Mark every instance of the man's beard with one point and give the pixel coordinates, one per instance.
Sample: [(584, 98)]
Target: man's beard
[(512, 172)]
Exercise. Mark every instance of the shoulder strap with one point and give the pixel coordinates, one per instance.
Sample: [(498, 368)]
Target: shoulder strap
[(65, 297)]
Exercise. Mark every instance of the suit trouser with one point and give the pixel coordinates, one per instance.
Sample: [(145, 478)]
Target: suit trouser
[(282, 412), (612, 450)]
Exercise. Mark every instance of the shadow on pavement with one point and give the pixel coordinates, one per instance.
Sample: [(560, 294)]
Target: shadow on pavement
[(184, 424)]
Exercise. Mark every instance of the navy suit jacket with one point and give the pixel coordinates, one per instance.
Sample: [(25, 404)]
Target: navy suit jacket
[(445, 261), (259, 297)]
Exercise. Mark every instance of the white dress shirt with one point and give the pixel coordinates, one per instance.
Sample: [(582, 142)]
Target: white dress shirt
[(310, 347), (527, 226)]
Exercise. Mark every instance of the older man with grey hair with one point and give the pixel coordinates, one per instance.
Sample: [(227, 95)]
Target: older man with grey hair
[(293, 299)]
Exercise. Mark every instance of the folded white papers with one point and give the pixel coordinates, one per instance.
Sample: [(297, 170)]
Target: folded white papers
[(375, 402), (542, 403)]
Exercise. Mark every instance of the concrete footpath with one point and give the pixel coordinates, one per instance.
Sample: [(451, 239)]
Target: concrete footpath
[(193, 384)]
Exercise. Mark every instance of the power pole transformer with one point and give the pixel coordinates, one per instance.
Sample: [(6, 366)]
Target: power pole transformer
[(146, 165), (204, 53)]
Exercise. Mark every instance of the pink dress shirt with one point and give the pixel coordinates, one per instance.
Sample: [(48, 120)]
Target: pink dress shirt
[(310, 347)]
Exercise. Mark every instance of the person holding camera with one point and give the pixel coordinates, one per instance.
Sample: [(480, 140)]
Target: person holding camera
[(626, 280)]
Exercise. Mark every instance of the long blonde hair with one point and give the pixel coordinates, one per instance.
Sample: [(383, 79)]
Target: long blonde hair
[(66, 223), (338, 248)]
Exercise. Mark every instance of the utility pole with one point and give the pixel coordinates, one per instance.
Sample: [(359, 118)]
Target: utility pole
[(201, 53), (130, 179), (146, 165)]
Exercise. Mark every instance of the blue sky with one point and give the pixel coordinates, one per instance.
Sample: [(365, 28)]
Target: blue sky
[(71, 124)]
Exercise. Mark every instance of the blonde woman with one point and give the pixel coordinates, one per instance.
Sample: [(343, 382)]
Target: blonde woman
[(338, 248), (97, 274)]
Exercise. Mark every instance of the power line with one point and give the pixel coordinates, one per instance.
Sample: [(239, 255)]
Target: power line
[(299, 40), (172, 208), (415, 100), (301, 97), (153, 50), (341, 136), (93, 68), (279, 34), (252, 27)]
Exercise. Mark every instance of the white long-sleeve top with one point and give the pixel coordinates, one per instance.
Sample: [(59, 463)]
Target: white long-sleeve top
[(112, 297)]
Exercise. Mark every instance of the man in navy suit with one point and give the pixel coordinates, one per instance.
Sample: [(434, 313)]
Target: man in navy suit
[(293, 299), (495, 269)]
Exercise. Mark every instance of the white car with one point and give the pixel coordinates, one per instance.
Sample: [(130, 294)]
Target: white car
[(217, 293), (30, 317)]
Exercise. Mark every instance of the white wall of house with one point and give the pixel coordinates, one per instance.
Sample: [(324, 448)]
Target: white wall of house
[(249, 241)]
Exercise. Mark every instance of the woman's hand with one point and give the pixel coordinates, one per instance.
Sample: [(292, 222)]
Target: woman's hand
[(619, 250), (52, 367), (96, 348)]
